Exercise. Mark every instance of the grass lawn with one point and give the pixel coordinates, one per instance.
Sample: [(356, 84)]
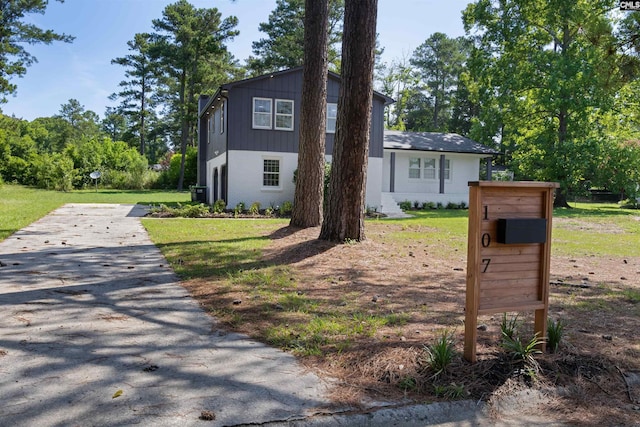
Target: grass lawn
[(20, 206), (366, 313)]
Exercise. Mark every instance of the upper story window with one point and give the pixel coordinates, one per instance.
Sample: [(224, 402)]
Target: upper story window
[(332, 115), (262, 113), (284, 114)]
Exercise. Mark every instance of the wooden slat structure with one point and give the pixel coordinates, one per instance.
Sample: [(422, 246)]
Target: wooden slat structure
[(506, 277)]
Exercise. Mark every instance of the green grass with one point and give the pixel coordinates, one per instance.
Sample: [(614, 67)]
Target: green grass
[(229, 253), (20, 206)]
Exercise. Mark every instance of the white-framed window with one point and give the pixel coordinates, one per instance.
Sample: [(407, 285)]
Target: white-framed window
[(262, 113), (425, 168), (284, 114), (447, 169), (332, 116), (271, 173), (414, 168), (222, 117), (429, 168)]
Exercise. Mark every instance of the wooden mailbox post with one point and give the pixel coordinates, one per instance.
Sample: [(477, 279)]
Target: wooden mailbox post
[(509, 251)]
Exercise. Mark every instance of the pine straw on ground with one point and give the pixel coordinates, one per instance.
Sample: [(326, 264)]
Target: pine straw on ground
[(583, 382)]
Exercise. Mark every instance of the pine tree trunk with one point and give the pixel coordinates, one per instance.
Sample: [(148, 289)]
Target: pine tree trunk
[(344, 218), (307, 205)]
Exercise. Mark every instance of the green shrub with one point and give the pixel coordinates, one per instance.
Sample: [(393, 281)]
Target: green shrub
[(452, 205), (405, 206), (428, 205), (254, 209), (219, 206), (286, 208), (238, 209)]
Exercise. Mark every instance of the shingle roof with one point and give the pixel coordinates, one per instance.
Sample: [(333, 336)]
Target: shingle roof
[(431, 141)]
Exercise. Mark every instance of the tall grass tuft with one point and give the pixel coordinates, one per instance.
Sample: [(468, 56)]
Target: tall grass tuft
[(440, 354), (554, 334)]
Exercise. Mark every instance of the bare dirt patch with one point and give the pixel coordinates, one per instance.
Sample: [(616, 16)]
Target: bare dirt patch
[(584, 383)]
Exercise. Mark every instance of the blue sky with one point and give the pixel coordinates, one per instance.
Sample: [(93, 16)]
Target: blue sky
[(82, 70)]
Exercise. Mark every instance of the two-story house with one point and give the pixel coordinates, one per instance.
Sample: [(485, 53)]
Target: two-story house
[(248, 147)]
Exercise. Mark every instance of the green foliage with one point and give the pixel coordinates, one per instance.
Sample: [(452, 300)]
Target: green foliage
[(440, 354), (283, 46), (523, 351), (405, 205), (542, 76), (408, 383), (450, 391), (199, 210), (286, 208), (238, 209), (170, 177), (254, 209), (17, 32), (555, 331), (219, 206), (509, 326)]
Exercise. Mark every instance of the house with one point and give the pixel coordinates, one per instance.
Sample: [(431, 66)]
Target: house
[(248, 144), (431, 167)]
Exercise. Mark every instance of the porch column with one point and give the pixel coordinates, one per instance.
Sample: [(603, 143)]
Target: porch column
[(442, 163)]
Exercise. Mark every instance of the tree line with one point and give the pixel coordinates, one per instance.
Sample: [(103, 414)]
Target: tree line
[(551, 84)]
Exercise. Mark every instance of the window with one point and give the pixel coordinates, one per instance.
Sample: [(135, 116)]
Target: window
[(332, 115), (447, 169), (284, 114), (261, 113), (429, 169), (271, 173), (414, 168)]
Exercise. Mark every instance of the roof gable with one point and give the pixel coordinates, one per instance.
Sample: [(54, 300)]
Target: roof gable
[(432, 141)]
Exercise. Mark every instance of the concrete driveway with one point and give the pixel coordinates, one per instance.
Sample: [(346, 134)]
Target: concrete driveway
[(96, 330)]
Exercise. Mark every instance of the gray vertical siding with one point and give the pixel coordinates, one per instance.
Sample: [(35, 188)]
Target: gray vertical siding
[(240, 134)]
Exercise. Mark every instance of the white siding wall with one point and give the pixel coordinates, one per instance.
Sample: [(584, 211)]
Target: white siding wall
[(464, 168), (245, 179), (212, 164)]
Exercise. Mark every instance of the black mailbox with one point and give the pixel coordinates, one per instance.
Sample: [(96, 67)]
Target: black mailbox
[(522, 230)]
